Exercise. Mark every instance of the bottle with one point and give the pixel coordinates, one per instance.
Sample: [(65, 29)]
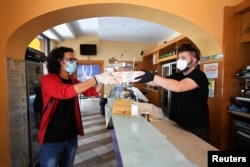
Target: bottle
[(135, 108), (118, 91)]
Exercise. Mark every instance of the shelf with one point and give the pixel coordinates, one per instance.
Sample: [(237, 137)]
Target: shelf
[(243, 99), (167, 58), (242, 114), (243, 77), (173, 41), (150, 89), (169, 47)]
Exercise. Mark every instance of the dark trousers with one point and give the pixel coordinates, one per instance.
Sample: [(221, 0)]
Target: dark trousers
[(202, 133)]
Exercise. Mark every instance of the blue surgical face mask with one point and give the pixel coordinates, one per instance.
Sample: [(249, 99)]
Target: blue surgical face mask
[(71, 67)]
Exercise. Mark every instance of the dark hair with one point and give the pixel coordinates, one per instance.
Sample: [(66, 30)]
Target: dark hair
[(53, 64), (190, 48)]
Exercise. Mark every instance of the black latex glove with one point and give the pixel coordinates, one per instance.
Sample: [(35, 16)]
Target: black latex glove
[(146, 77)]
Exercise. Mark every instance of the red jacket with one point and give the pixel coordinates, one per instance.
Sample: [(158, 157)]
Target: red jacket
[(52, 86)]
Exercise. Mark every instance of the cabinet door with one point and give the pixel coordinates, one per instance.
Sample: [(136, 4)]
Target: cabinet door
[(154, 98), (245, 27)]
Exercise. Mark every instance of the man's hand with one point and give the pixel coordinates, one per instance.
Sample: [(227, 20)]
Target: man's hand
[(146, 77)]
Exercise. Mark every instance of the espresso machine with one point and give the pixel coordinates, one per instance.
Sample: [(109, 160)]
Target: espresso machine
[(240, 132), (241, 103), (244, 74)]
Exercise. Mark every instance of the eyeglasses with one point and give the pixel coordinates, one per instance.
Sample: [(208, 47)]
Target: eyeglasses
[(71, 60)]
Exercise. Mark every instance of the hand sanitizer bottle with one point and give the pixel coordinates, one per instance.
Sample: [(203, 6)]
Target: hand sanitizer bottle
[(134, 109)]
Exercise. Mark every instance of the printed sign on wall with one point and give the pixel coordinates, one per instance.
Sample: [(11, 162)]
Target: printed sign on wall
[(17, 112)]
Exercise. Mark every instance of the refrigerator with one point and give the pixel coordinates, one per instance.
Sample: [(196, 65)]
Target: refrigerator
[(167, 69), (34, 61)]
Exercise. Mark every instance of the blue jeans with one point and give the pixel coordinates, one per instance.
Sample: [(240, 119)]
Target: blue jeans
[(60, 154)]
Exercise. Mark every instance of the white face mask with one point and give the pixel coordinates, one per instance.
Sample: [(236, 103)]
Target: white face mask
[(182, 64), (71, 67)]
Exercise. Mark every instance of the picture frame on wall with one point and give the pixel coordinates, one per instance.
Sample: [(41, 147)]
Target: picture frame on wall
[(87, 71)]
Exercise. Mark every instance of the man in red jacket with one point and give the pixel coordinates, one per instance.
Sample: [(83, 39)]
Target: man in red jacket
[(61, 121)]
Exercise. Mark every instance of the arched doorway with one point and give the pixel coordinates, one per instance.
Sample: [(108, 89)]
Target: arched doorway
[(24, 31), (35, 26)]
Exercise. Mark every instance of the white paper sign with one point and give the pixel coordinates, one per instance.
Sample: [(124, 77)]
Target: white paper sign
[(211, 70)]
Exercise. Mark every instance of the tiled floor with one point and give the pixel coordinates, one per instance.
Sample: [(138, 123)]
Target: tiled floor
[(95, 147)]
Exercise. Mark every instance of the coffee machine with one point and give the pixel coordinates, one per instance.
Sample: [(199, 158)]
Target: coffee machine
[(245, 86), (242, 102)]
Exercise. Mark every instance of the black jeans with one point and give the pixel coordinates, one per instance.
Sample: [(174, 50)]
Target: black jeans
[(202, 133)]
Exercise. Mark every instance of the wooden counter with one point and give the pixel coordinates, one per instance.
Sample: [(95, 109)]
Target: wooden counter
[(189, 144)]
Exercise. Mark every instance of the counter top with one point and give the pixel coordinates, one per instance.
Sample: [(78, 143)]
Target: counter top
[(156, 143), (189, 144), (141, 144)]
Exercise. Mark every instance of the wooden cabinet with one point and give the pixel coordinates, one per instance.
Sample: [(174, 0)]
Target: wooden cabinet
[(153, 96), (236, 49), (168, 52), (150, 63), (245, 27)]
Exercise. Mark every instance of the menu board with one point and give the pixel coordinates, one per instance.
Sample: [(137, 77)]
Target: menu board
[(122, 107), (17, 103)]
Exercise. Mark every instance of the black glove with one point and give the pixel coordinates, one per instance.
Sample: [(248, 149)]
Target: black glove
[(145, 78)]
